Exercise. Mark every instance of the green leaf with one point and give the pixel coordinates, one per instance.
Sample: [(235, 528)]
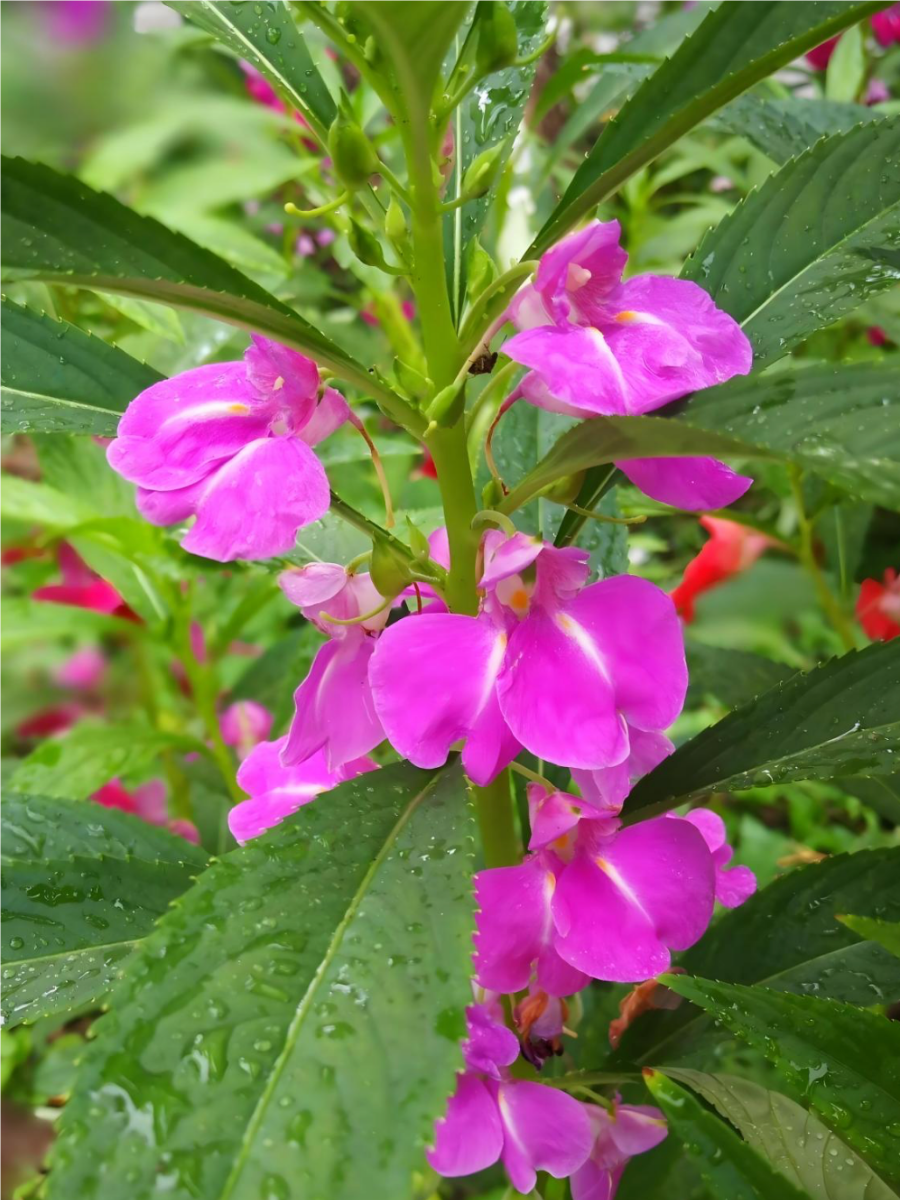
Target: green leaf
[(41, 827), (155, 318), (57, 378), (38, 503), (488, 115), (881, 795), (842, 718), (842, 1062), (733, 677), (734, 47), (728, 1166), (90, 755), (816, 240), (846, 72), (787, 937), (835, 421), (294, 1021), (23, 621), (69, 923), (885, 933), (266, 36), (56, 228), (794, 1141), (785, 129)]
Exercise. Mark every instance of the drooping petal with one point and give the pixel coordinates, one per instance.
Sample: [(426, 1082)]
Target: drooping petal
[(170, 508), (734, 885), (172, 434), (470, 1137), (313, 586), (554, 813), (634, 626), (544, 1130), (622, 904), (577, 365), (694, 484), (283, 376), (329, 414), (433, 677), (253, 506), (557, 694), (513, 923), (490, 1044), (333, 705), (607, 787), (634, 1129), (592, 1182)]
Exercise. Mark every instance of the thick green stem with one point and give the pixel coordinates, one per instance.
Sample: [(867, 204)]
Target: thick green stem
[(493, 808)]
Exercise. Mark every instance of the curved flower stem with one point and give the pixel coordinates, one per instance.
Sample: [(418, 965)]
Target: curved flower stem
[(293, 211), (807, 552), (527, 773)]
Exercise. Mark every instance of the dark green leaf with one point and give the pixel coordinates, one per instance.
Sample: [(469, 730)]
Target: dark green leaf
[(293, 1022), (89, 756), (885, 933), (57, 378), (69, 923), (733, 677), (794, 1141), (729, 1167), (835, 421), (842, 718), (788, 937), (815, 241), (266, 36), (785, 129), (842, 1062), (56, 228), (734, 47), (881, 795)]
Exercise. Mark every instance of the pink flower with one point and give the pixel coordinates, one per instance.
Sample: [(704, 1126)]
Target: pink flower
[(820, 56), (243, 724), (528, 1126), (878, 607), (147, 802), (731, 548), (618, 1135), (334, 709), (230, 443), (877, 91), (886, 25), (549, 664), (597, 346), (83, 588), (82, 670), (76, 22), (611, 906), (734, 885), (276, 791)]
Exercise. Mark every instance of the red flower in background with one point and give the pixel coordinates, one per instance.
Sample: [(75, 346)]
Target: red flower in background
[(147, 802), (83, 588), (820, 56), (878, 607), (731, 548), (886, 25)]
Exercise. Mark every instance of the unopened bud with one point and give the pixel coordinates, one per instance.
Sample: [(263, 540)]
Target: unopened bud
[(396, 227), (447, 406), (390, 568), (351, 152), (480, 269), (365, 246), (482, 172), (418, 542)]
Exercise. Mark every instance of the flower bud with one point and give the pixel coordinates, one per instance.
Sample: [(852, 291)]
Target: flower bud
[(396, 227), (418, 542), (390, 568), (498, 41), (366, 246), (480, 269), (416, 385), (351, 152), (565, 489), (482, 172), (446, 407)]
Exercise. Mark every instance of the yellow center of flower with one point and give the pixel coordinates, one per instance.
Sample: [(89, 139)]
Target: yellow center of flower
[(626, 315), (243, 409)]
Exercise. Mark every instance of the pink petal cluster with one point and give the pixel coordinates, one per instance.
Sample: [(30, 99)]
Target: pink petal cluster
[(598, 346), (549, 664), (148, 801), (231, 444), (244, 724)]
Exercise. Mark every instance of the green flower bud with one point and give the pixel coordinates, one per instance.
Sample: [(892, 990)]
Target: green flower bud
[(418, 542), (498, 39), (564, 490), (390, 568), (491, 494), (396, 227), (415, 385), (483, 171), (480, 269), (351, 152), (365, 246), (447, 406)]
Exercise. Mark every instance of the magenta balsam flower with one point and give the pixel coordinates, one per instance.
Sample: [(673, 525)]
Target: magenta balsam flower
[(276, 791), (620, 1134), (528, 1126), (598, 346), (244, 724), (549, 664), (231, 444), (334, 707), (734, 885), (607, 787)]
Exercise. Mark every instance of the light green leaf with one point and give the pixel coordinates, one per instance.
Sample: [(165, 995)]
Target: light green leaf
[(816, 240), (842, 1062), (842, 718), (736, 46), (294, 1021), (885, 933), (794, 1141), (58, 378), (90, 755), (846, 71), (266, 36), (155, 318), (24, 621), (38, 503), (728, 1166)]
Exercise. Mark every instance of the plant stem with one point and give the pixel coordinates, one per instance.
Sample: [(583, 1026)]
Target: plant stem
[(832, 608), (493, 808)]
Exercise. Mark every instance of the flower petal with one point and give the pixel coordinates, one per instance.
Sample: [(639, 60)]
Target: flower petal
[(694, 484), (470, 1136), (277, 373), (576, 364), (253, 506), (513, 923), (544, 1130), (580, 270)]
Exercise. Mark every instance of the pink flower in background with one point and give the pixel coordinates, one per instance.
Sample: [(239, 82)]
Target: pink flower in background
[(231, 443), (75, 22), (83, 588), (886, 25), (334, 709), (734, 885), (619, 1135), (82, 670), (598, 346), (243, 724), (559, 668), (731, 548), (56, 718), (877, 91), (276, 791), (878, 607), (147, 802), (528, 1126), (820, 56)]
